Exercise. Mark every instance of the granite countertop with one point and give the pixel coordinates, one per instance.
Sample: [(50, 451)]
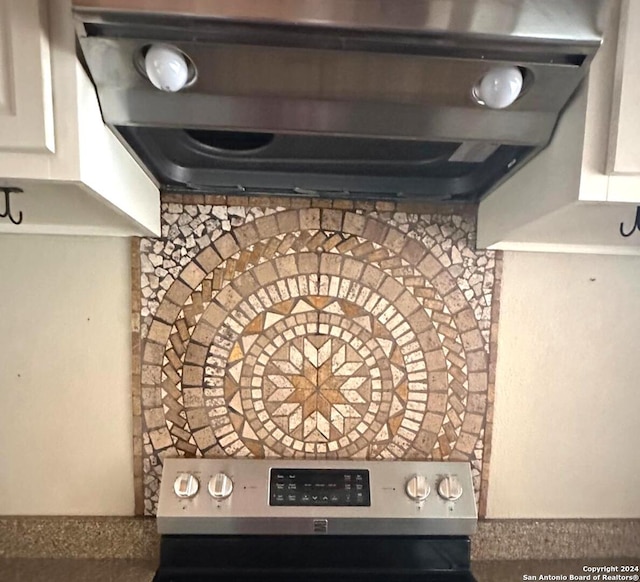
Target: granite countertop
[(82, 570)]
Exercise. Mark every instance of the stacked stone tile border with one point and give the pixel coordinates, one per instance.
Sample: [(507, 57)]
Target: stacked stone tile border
[(136, 365), (310, 328)]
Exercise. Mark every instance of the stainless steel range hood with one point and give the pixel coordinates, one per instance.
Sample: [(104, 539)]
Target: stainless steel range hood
[(389, 98)]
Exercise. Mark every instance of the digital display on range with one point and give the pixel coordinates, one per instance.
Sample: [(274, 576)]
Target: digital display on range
[(322, 487)]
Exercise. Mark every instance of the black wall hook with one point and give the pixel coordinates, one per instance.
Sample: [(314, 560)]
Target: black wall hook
[(7, 205), (635, 227)]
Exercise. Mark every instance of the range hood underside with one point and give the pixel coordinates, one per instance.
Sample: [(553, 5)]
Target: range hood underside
[(330, 105)]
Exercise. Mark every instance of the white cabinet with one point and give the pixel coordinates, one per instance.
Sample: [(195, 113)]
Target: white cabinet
[(584, 189), (76, 176), (624, 145), (26, 99)]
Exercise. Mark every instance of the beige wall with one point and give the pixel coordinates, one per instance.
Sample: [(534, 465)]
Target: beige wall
[(65, 408), (567, 418), (566, 437)]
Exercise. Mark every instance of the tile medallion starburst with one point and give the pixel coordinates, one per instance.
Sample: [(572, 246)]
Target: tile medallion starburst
[(313, 333)]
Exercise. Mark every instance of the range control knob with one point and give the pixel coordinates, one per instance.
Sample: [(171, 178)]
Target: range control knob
[(449, 488), (417, 488), (186, 485), (220, 486)]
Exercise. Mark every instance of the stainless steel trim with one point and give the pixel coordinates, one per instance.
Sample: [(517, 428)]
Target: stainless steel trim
[(312, 116), (579, 21), (247, 510), (321, 91)]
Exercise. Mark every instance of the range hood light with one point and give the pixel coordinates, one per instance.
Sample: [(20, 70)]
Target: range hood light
[(166, 68), (499, 88)]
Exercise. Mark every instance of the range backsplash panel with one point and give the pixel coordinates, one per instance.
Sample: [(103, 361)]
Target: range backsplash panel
[(268, 327)]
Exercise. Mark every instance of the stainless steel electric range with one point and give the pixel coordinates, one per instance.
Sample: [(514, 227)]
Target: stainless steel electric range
[(263, 520)]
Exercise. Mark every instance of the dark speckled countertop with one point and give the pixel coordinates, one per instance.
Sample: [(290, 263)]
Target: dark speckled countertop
[(79, 570), (122, 549)]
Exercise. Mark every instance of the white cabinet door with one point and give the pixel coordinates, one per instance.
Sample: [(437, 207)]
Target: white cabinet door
[(624, 145), (26, 102)]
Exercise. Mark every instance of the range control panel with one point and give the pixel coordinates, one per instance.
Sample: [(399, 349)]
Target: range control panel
[(319, 487), (233, 496)]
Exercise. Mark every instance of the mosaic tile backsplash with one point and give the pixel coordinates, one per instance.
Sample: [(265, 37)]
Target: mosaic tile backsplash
[(281, 331)]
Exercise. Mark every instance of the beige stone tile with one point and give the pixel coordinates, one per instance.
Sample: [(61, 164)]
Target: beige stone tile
[(455, 301), (477, 402), (453, 416), (343, 204), (352, 269), (309, 218), (245, 284), (413, 251), (151, 396), (288, 221), (466, 443), (265, 274), (444, 282), (287, 266), (478, 382), (331, 220), (472, 423), (432, 422), (472, 340), (365, 251), (425, 441), (365, 205), (154, 417), (429, 340), (395, 240), (228, 297), (375, 231), (435, 361), (160, 438), (353, 223), (477, 361), (437, 402), (226, 246), (437, 381), (197, 418), (152, 353), (430, 266), (204, 438), (465, 320), (371, 277), (168, 198), (192, 199), (214, 315), (237, 201), (385, 206), (192, 375), (159, 332), (407, 305), (208, 259), (168, 311), (390, 289), (196, 354), (193, 397), (267, 226), (330, 264), (307, 263), (420, 321), (203, 333), (178, 292), (246, 235), (151, 374)]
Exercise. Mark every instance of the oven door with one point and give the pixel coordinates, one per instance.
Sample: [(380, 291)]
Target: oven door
[(193, 558)]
